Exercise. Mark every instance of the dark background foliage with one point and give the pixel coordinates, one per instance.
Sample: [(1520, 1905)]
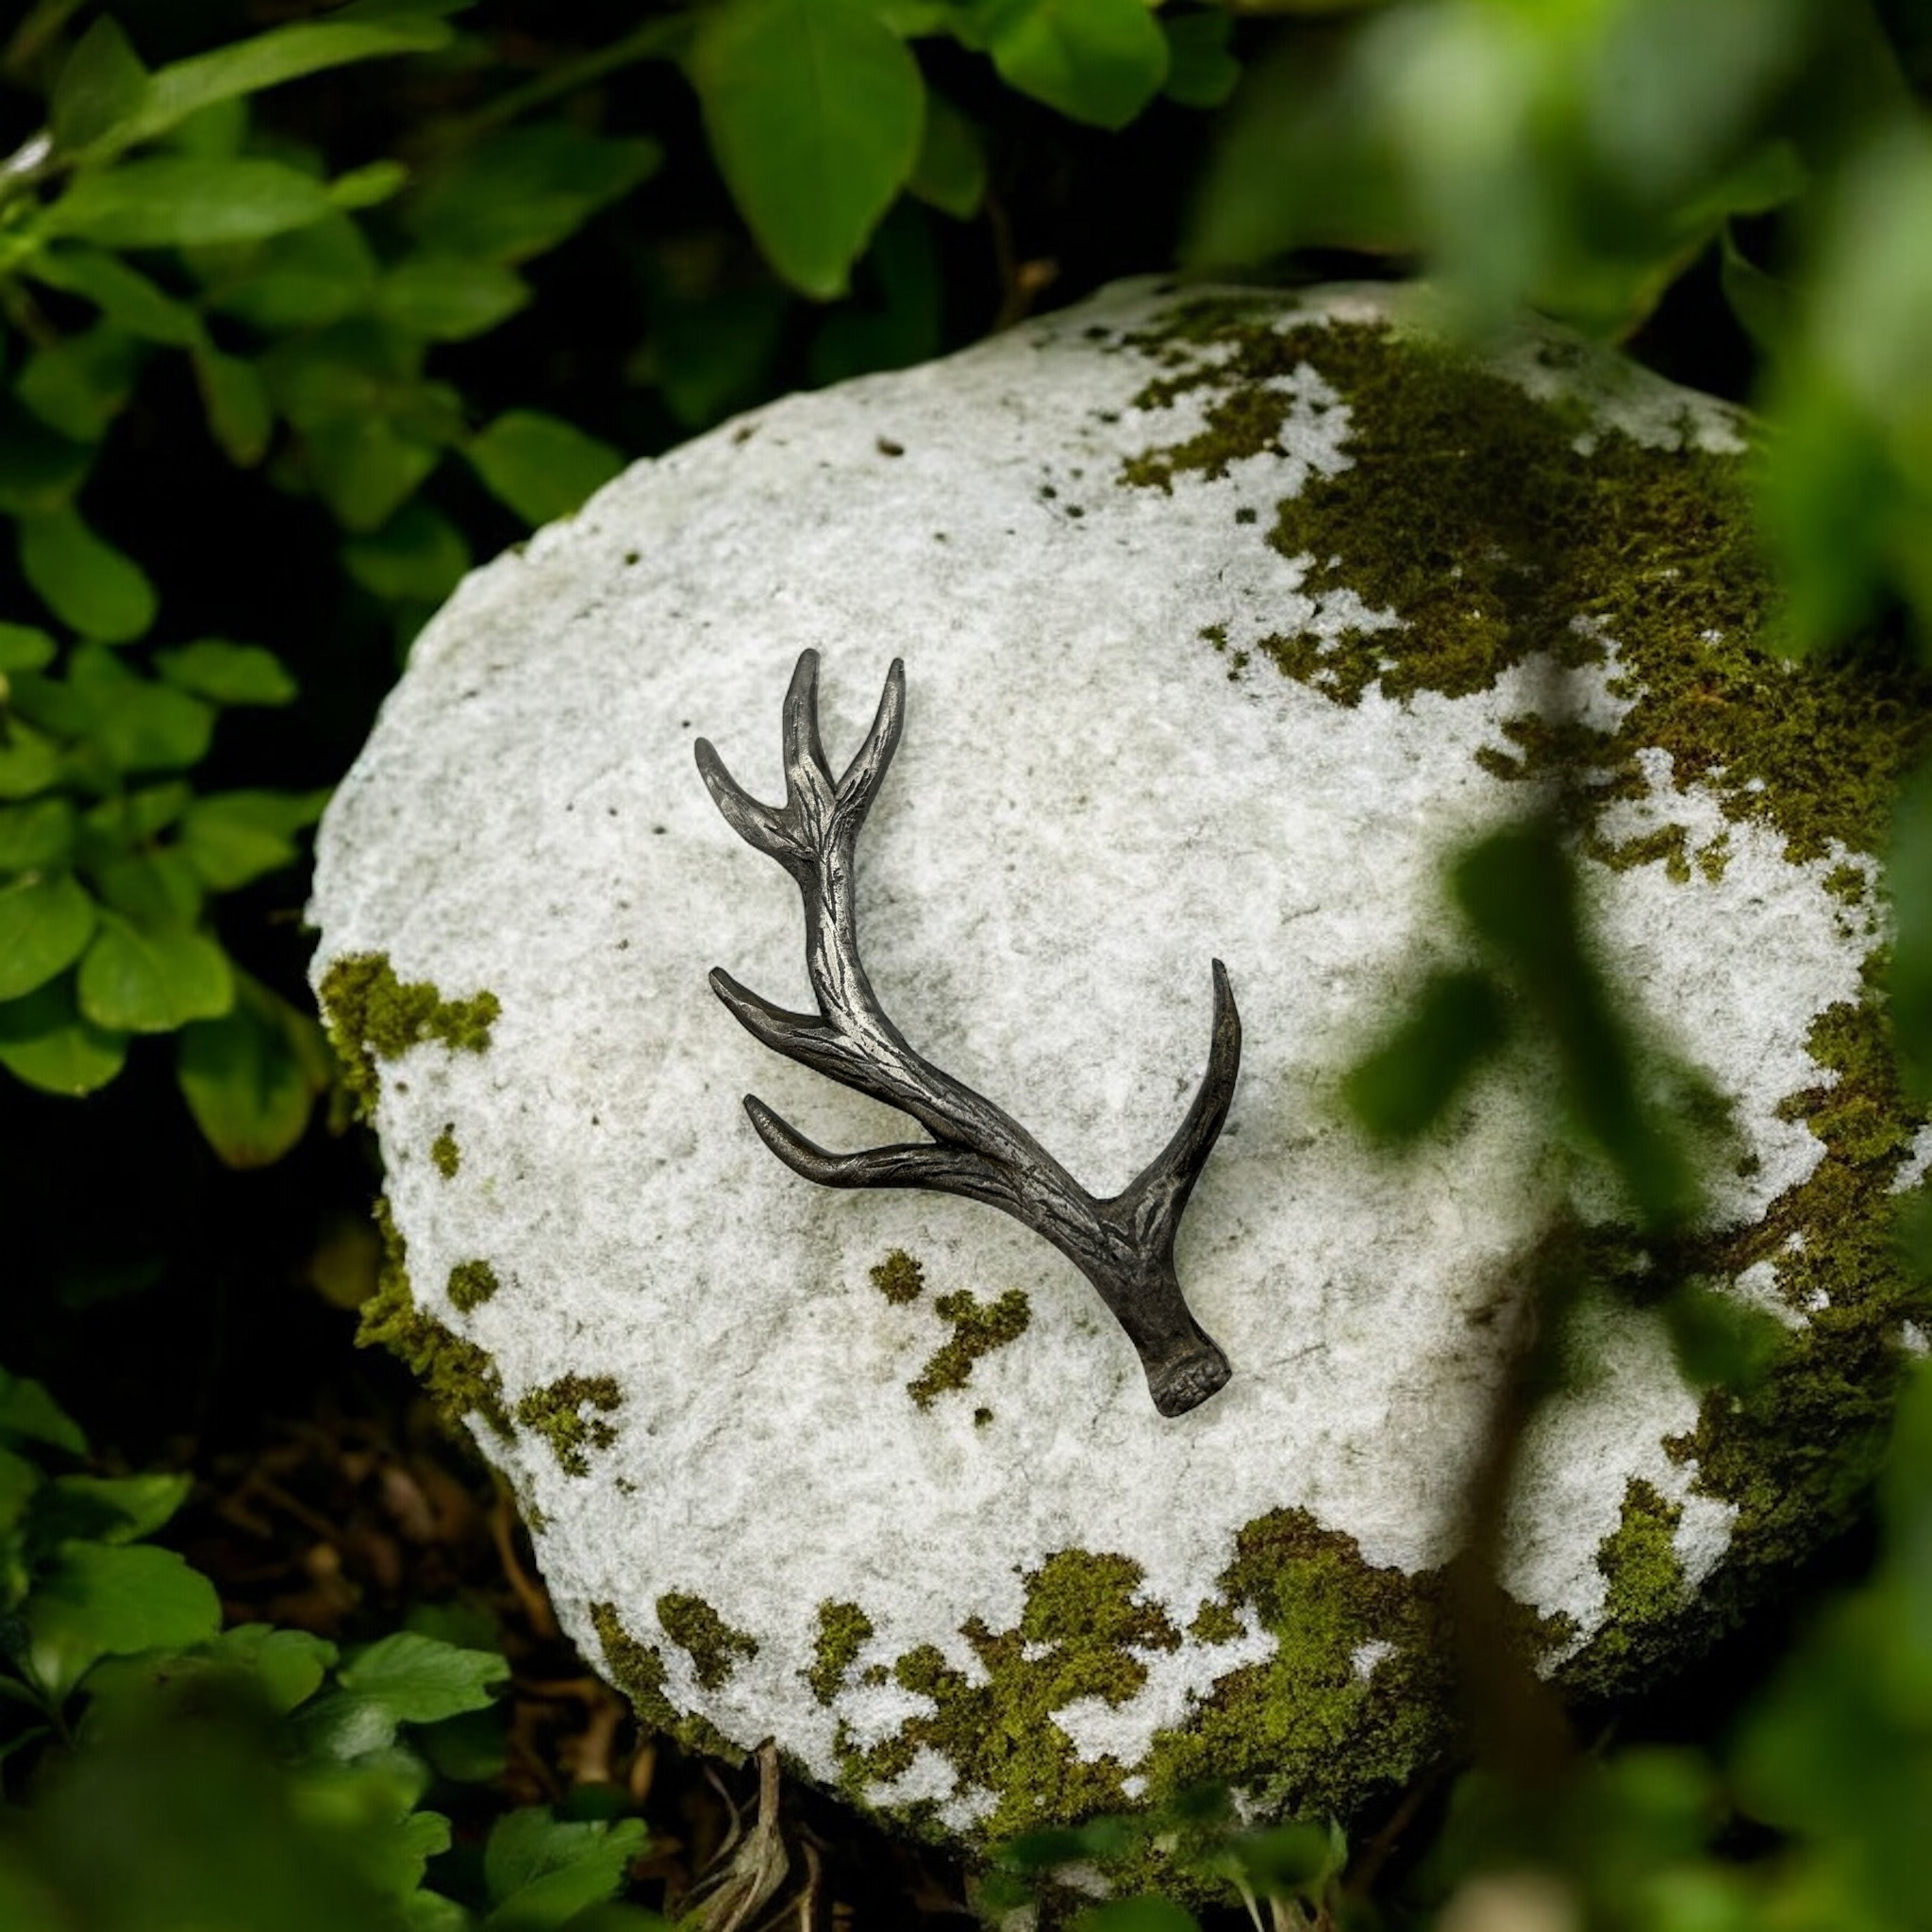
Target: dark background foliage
[(561, 239)]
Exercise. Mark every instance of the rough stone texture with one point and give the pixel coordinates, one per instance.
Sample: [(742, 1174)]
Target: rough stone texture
[(1225, 615)]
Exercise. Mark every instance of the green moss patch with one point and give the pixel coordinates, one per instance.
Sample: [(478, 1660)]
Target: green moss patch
[(977, 1330), (1469, 512), (899, 1278), (844, 1630), (373, 1015), (460, 1379), (471, 1284), (712, 1645), (1494, 528), (556, 1412), (444, 1155)]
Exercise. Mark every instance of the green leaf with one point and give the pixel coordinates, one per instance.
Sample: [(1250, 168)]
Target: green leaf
[(29, 1414), (36, 836), (45, 1042), (30, 762), (137, 981), (541, 1872), (87, 583), (1908, 878), (124, 295), (540, 466), (448, 298), (1100, 61), (228, 673), (178, 201), (1138, 1915), (120, 1510), (283, 53), (45, 926), (365, 468), (525, 191), (357, 368), (236, 399), (418, 1680), (251, 1078), (950, 172), (138, 724), (24, 648), (101, 85), (19, 1482), (418, 555), (233, 837), (79, 385), (815, 111), (304, 279), (130, 817), (370, 186), (1406, 1084), (157, 890), (97, 1600), (40, 470), (1200, 73), (289, 1664), (1762, 304)]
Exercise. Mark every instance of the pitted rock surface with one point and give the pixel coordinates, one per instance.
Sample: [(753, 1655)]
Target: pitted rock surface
[(1159, 712)]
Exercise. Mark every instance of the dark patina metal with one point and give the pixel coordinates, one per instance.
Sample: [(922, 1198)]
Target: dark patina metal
[(1123, 1245)]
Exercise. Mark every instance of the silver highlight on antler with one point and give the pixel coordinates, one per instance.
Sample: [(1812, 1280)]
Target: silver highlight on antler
[(1122, 1245)]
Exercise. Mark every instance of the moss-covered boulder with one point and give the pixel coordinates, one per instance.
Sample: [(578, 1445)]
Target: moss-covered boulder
[(1226, 614)]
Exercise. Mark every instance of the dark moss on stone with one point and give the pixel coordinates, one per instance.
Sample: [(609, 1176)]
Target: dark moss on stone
[(977, 1330), (1647, 1590), (1471, 514), (460, 1377), (638, 1669), (899, 1277), (844, 1630), (712, 1645), (444, 1155), (471, 1284), (556, 1412), (373, 1015)]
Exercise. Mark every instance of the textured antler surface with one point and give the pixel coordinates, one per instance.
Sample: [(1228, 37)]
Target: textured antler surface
[(1122, 1245)]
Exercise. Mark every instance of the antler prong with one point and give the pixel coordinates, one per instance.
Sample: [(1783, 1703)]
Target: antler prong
[(907, 1164), (761, 827), (1159, 1192), (807, 776), (867, 771), (1124, 1246)]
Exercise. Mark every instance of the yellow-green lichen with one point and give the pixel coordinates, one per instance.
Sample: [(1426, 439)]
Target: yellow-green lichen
[(712, 1645), (444, 1155), (899, 1277), (1490, 527), (1646, 1588), (844, 1630), (977, 1330), (373, 1015), (460, 1377), (1353, 1702), (471, 1284), (638, 1669), (556, 1411)]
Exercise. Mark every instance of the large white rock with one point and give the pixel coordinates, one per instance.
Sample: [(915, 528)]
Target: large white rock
[(1225, 615)]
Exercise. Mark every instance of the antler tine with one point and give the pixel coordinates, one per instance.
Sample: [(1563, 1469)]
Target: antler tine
[(806, 774), (761, 827), (867, 771), (1158, 1194), (909, 1164)]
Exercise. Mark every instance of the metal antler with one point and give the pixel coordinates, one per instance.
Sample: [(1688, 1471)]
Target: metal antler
[(1124, 1246)]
